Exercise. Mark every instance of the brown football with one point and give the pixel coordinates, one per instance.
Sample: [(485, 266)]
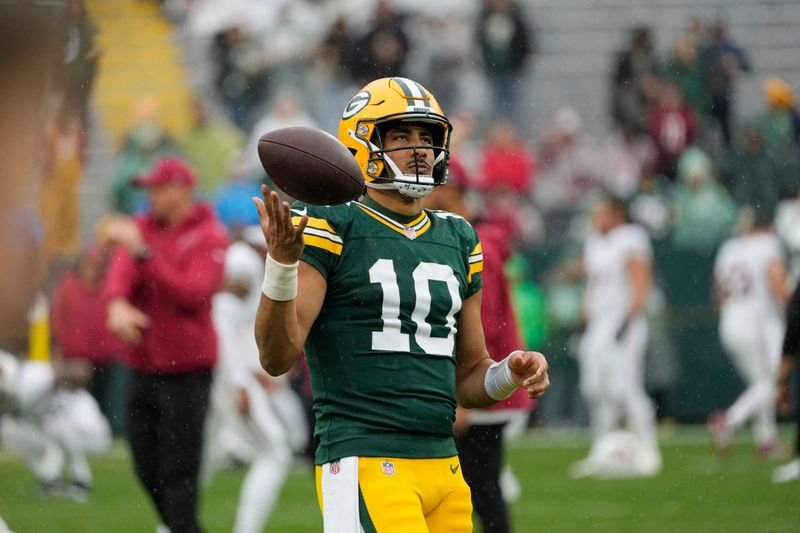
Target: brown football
[(310, 165)]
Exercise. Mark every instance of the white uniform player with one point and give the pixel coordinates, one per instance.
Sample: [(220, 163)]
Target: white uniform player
[(51, 427), (253, 417), (749, 274), (617, 262)]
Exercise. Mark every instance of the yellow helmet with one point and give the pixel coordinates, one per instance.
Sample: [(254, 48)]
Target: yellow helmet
[(364, 124)]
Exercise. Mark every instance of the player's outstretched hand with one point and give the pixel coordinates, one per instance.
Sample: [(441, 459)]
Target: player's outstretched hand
[(285, 241), (529, 370)]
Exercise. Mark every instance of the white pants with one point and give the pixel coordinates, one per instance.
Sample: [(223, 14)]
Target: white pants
[(265, 438), (612, 379), (753, 343)]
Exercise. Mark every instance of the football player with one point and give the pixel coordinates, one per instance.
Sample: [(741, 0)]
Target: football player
[(750, 277), (386, 297), (253, 417), (617, 261)]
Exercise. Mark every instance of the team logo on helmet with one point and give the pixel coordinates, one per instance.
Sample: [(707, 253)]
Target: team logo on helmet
[(356, 104)]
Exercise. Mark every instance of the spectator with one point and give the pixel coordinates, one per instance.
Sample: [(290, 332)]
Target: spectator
[(781, 121), (750, 171), (160, 284), (625, 158), (568, 163), (143, 145), (210, 145), (330, 78), (725, 61), (506, 42), (687, 70), (442, 48), (634, 79), (78, 321), (383, 50), (285, 111), (671, 124), (704, 212), (506, 163), (240, 79), (508, 169)]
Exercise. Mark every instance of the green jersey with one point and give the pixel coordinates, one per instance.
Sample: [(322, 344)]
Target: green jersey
[(381, 353)]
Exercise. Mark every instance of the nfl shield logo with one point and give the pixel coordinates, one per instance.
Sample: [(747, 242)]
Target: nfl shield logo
[(410, 233), (388, 468), (335, 468)]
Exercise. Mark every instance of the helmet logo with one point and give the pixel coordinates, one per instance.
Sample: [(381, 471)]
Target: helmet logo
[(357, 103)]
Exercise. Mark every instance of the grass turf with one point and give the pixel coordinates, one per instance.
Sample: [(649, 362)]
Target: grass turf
[(696, 491)]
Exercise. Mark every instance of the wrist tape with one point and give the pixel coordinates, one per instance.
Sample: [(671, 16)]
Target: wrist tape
[(280, 280), (498, 382)]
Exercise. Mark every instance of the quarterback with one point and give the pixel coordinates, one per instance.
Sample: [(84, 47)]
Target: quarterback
[(385, 298)]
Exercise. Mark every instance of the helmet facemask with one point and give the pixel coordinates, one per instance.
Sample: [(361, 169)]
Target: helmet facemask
[(388, 175)]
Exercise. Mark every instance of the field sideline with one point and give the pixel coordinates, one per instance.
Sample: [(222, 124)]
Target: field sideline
[(696, 492)]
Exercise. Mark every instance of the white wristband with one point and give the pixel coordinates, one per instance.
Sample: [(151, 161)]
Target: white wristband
[(498, 382), (280, 281)]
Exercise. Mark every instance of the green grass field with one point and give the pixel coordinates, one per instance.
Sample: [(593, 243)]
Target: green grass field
[(696, 491)]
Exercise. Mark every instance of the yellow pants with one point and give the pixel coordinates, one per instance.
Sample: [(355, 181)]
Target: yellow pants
[(391, 495)]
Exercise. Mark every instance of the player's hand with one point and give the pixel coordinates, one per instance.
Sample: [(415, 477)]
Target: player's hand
[(242, 400), (284, 240), (529, 370), (126, 321)]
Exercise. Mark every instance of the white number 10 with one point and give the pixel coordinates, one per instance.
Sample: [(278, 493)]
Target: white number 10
[(391, 337)]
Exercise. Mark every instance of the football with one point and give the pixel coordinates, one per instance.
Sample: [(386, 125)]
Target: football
[(311, 165)]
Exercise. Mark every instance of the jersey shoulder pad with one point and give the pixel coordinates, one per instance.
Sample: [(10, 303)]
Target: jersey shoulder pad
[(326, 225), (458, 223)]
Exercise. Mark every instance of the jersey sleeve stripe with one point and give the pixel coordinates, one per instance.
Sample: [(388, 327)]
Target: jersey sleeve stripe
[(324, 234), (478, 250), (323, 243), (475, 258), (318, 223), (474, 268)]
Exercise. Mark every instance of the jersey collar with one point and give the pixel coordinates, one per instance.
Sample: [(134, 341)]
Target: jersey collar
[(411, 226)]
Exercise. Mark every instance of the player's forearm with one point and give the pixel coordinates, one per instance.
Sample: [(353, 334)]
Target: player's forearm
[(471, 390), (277, 335)]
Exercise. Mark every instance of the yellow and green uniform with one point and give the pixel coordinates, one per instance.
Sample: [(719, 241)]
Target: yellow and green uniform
[(381, 353)]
